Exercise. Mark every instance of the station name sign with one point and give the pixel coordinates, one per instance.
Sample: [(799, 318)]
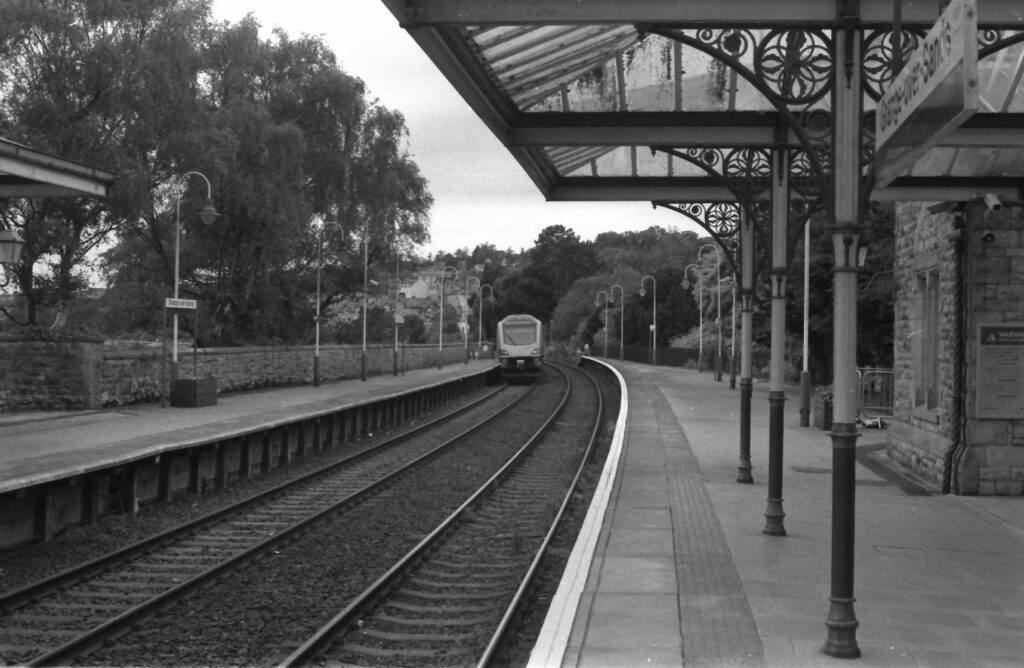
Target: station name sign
[(934, 93), (175, 304)]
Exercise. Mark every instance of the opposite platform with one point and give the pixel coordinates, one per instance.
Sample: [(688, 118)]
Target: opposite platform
[(40, 447), (682, 573)]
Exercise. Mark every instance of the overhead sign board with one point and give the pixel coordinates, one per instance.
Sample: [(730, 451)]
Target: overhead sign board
[(934, 93)]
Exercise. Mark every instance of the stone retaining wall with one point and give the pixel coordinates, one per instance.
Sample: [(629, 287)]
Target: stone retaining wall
[(89, 374)]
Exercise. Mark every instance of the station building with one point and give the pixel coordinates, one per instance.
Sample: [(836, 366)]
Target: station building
[(959, 345)]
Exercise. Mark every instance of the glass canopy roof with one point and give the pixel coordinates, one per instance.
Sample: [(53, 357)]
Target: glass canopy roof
[(580, 99)]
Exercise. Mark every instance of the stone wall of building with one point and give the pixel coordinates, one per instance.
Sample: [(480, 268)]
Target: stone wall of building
[(920, 438), (987, 455), (993, 462), (84, 374)]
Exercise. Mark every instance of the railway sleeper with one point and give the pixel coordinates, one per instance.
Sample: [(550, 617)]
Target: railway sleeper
[(449, 595), (382, 652), (384, 617), (410, 635), (442, 582), (431, 610)]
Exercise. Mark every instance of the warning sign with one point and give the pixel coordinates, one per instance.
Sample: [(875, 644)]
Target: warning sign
[(1000, 378)]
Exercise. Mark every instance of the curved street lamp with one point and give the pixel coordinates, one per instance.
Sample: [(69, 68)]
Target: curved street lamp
[(622, 317), (465, 334), (366, 276), (398, 319), (207, 214), (700, 313), (654, 325), (718, 318), (440, 315), (605, 293), (480, 318)]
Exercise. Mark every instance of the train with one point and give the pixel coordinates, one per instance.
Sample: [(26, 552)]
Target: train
[(520, 347)]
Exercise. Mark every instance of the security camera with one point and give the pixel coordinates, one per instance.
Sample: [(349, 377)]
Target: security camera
[(992, 202), (988, 236)]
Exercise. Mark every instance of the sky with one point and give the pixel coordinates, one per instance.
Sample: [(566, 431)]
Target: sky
[(481, 194)]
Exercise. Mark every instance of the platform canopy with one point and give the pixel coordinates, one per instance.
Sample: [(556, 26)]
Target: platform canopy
[(682, 100), (26, 172)]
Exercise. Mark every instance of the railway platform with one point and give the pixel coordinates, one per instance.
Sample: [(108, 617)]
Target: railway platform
[(676, 570), (38, 447), (672, 567)]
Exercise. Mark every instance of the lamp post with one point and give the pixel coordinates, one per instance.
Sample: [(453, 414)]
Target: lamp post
[(316, 344), (622, 318), (805, 373), (732, 339), (605, 293), (398, 317), (480, 320), (718, 318), (465, 332), (366, 270), (10, 252), (440, 315), (207, 214), (654, 325), (700, 313)]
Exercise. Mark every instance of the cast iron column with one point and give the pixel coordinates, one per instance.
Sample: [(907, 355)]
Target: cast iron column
[(842, 621), (777, 395), (747, 342)]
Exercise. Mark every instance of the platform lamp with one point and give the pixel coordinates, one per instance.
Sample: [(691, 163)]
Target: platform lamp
[(440, 315), (622, 318), (700, 313), (399, 318), (480, 320), (207, 214), (605, 293), (654, 325), (316, 317), (465, 334), (10, 252), (718, 318), (366, 287)]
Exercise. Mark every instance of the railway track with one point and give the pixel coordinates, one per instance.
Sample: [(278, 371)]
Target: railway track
[(453, 598), (54, 621)]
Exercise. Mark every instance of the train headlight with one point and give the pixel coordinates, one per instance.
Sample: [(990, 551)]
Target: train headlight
[(536, 351), (502, 352)]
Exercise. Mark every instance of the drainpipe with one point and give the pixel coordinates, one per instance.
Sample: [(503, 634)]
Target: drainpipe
[(953, 456)]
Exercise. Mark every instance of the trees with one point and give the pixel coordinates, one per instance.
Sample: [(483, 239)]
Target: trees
[(100, 83), (305, 169)]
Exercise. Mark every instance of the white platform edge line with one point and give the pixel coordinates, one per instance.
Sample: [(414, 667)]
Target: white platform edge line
[(552, 641)]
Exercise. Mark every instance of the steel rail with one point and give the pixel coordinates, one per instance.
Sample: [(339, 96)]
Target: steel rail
[(85, 642), (319, 643), (511, 610)]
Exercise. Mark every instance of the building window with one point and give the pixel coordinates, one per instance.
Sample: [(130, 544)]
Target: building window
[(925, 340)]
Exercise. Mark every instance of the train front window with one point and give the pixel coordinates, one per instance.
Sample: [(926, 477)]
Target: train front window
[(520, 335)]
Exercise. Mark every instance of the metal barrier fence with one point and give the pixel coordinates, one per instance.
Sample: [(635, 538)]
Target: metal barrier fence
[(876, 394)]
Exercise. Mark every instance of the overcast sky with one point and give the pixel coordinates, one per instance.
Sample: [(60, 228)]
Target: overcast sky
[(481, 194)]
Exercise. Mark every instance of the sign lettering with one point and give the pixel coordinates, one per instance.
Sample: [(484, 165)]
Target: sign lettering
[(932, 95)]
